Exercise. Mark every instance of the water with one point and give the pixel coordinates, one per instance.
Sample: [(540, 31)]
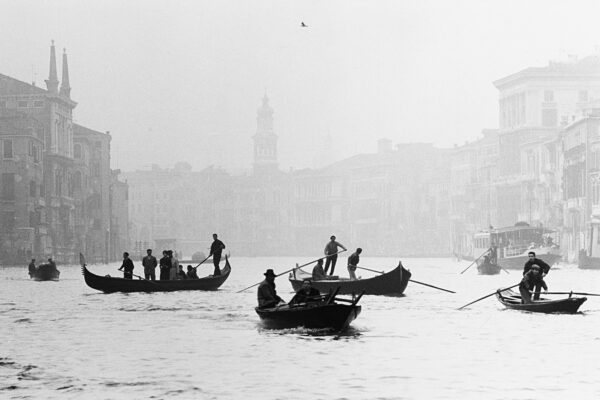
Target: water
[(65, 340)]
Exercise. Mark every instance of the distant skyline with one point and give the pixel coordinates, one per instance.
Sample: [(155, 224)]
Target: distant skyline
[(181, 81)]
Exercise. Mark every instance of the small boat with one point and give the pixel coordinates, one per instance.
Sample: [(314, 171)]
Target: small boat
[(512, 299), (488, 268), (45, 272), (389, 283), (315, 315), (108, 284)]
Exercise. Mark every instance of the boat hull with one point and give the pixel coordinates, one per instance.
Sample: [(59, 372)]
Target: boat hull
[(45, 272), (319, 316), (488, 269), (512, 300), (109, 284), (390, 283)]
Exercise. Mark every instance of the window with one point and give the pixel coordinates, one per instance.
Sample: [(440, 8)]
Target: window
[(38, 104), (77, 180), (8, 221), (8, 186), (22, 104), (2, 103), (32, 188), (8, 148), (548, 96), (42, 190), (77, 151)]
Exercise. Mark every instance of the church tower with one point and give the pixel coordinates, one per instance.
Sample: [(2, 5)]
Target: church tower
[(265, 140)]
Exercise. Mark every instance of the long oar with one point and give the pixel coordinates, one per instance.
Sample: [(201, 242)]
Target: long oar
[(293, 269), (411, 280), (475, 260), (491, 294), (202, 262)]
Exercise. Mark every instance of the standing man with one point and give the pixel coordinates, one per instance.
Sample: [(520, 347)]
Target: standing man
[(216, 249), (544, 268), (174, 265), (353, 261), (149, 262), (331, 250), (127, 266), (32, 267)]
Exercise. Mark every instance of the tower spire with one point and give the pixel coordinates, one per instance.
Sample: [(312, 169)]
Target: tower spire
[(65, 87), (52, 81)]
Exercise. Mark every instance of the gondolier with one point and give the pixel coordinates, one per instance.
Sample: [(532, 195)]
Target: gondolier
[(216, 249), (353, 261), (544, 269), (127, 266), (331, 250), (531, 279)]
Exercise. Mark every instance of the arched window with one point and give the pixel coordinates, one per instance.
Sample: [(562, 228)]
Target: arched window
[(77, 179)]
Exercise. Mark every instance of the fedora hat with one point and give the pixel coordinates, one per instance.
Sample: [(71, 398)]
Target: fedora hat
[(269, 272)]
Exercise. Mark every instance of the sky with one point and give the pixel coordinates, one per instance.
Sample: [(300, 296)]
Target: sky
[(182, 80)]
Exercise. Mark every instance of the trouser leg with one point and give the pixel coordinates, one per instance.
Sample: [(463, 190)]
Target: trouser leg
[(538, 289), (327, 264), (352, 273), (333, 262), (525, 295), (216, 261)]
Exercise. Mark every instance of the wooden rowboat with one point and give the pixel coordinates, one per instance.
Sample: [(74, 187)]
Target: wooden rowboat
[(323, 314), (389, 283), (487, 268), (511, 299), (108, 284), (45, 272)]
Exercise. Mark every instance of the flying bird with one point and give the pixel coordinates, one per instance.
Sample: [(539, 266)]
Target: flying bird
[(303, 25)]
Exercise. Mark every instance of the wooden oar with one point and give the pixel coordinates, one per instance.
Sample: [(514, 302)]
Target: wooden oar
[(491, 294), (202, 262), (411, 280), (475, 260), (293, 269)]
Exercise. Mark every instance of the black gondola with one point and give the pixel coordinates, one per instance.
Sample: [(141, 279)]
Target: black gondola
[(108, 284), (45, 272)]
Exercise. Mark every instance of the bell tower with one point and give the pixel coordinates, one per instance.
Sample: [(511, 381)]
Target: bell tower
[(265, 140)]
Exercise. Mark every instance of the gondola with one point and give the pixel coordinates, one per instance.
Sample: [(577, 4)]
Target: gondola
[(108, 284), (389, 283), (488, 268), (327, 313), (511, 299), (45, 272)]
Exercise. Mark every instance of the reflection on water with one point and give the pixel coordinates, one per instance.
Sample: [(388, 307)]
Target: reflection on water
[(64, 340)]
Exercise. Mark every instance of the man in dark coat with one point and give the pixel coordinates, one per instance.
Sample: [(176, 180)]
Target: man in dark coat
[(165, 266), (544, 268), (331, 250), (266, 294), (216, 249), (149, 262), (532, 278), (306, 294), (127, 266), (32, 267)]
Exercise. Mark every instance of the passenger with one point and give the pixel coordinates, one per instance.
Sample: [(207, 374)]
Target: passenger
[(191, 272), (149, 263), (52, 263), (216, 249), (181, 273), (32, 267), (318, 273), (266, 294), (353, 261), (165, 266), (174, 266), (306, 294), (544, 269), (127, 266), (531, 279), (331, 250)]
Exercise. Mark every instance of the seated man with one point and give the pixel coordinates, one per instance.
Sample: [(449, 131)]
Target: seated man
[(530, 280), (318, 273), (191, 272), (306, 294), (266, 294), (181, 273)]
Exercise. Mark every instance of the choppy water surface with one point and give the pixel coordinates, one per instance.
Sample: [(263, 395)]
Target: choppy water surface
[(65, 340)]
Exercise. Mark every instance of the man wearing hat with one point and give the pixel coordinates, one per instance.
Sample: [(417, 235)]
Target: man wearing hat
[(533, 278), (267, 295)]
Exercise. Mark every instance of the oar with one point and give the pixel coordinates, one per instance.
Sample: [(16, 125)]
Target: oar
[(491, 294), (411, 280), (202, 262), (295, 268), (475, 260)]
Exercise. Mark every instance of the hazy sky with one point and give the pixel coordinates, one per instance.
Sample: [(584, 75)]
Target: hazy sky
[(181, 80)]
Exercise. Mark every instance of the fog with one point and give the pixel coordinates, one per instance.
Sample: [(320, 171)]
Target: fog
[(188, 76)]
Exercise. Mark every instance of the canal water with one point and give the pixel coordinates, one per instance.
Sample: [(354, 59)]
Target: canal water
[(61, 340)]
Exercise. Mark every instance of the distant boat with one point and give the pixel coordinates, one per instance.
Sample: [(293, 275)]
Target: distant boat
[(323, 314), (389, 283), (45, 272), (512, 300), (488, 268), (108, 284)]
